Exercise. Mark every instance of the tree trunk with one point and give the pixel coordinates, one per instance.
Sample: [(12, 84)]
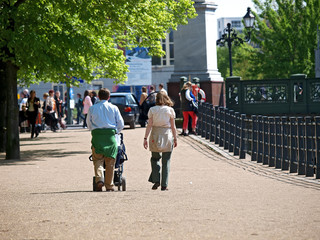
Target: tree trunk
[(12, 117), (3, 108)]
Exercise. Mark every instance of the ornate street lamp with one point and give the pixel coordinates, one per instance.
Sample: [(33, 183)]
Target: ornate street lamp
[(230, 35)]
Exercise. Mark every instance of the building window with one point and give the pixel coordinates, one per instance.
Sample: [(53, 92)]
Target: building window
[(168, 48), (236, 24), (59, 88)]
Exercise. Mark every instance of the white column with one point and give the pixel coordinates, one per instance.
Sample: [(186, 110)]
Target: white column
[(195, 45)]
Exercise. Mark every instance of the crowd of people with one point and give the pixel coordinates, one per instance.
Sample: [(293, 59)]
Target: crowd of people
[(105, 121), (190, 96), (51, 113)]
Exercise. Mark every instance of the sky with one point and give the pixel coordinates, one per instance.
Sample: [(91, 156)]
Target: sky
[(232, 8)]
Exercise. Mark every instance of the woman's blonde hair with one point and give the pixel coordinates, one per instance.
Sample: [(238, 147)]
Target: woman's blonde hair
[(163, 99), (186, 85)]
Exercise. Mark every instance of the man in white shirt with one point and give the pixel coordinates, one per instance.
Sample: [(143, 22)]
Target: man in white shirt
[(161, 89), (104, 120)]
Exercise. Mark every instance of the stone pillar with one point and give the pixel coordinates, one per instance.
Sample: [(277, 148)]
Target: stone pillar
[(195, 52)]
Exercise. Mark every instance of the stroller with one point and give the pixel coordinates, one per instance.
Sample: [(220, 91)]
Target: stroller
[(118, 179)]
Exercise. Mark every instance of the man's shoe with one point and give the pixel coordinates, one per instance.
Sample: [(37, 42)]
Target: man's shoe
[(182, 133), (99, 186), (164, 189), (155, 186)]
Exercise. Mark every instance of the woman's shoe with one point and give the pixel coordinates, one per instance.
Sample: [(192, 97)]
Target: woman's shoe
[(155, 186)]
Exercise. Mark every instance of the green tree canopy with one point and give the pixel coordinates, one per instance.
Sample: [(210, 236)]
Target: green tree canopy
[(48, 39), (241, 61), (42, 40), (286, 34)]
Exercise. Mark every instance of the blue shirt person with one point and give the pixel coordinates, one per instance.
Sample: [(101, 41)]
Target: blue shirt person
[(104, 120)]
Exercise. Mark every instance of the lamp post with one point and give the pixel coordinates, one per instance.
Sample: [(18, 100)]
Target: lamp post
[(230, 35)]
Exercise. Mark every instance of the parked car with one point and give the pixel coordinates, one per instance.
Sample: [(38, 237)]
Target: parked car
[(128, 106)]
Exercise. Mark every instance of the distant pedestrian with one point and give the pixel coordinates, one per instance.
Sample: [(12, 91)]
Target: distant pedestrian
[(94, 98), (51, 111), (161, 89), (45, 113), (143, 116), (22, 112), (60, 109), (79, 106), (162, 139), (152, 96), (104, 121), (187, 100), (86, 105), (26, 93), (33, 106)]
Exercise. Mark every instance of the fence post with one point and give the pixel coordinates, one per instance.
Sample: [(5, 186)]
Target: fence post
[(212, 125), (216, 125), (226, 128), (278, 142), (222, 126), (236, 134), (260, 139), (242, 137), (203, 122), (272, 146), (231, 130), (301, 147), (284, 154), (200, 116), (254, 143), (265, 141), (317, 147), (293, 145), (308, 162), (208, 122)]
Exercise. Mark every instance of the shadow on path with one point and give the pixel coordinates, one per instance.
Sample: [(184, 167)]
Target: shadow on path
[(40, 155)]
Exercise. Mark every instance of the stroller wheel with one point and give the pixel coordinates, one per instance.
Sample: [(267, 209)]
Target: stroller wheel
[(123, 184)]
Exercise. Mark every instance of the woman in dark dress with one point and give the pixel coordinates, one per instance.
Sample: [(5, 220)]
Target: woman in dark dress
[(33, 106)]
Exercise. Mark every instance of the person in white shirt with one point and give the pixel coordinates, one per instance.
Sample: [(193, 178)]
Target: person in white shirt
[(104, 120), (161, 89), (162, 139)]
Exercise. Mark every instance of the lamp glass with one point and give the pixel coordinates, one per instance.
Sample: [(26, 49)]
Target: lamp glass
[(248, 19)]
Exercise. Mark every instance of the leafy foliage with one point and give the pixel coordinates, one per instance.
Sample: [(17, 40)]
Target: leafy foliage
[(241, 61), (48, 39), (286, 33)]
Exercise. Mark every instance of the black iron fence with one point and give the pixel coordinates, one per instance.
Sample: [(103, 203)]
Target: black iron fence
[(287, 143), (297, 95)]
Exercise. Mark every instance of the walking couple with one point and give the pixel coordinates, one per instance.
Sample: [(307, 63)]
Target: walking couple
[(105, 120)]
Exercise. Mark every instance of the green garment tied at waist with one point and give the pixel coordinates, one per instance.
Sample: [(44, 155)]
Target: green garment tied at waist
[(104, 142)]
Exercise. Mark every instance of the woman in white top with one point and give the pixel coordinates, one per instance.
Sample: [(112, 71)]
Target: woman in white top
[(162, 139)]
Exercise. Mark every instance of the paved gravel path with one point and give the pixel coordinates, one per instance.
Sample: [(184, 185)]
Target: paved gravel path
[(48, 195)]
